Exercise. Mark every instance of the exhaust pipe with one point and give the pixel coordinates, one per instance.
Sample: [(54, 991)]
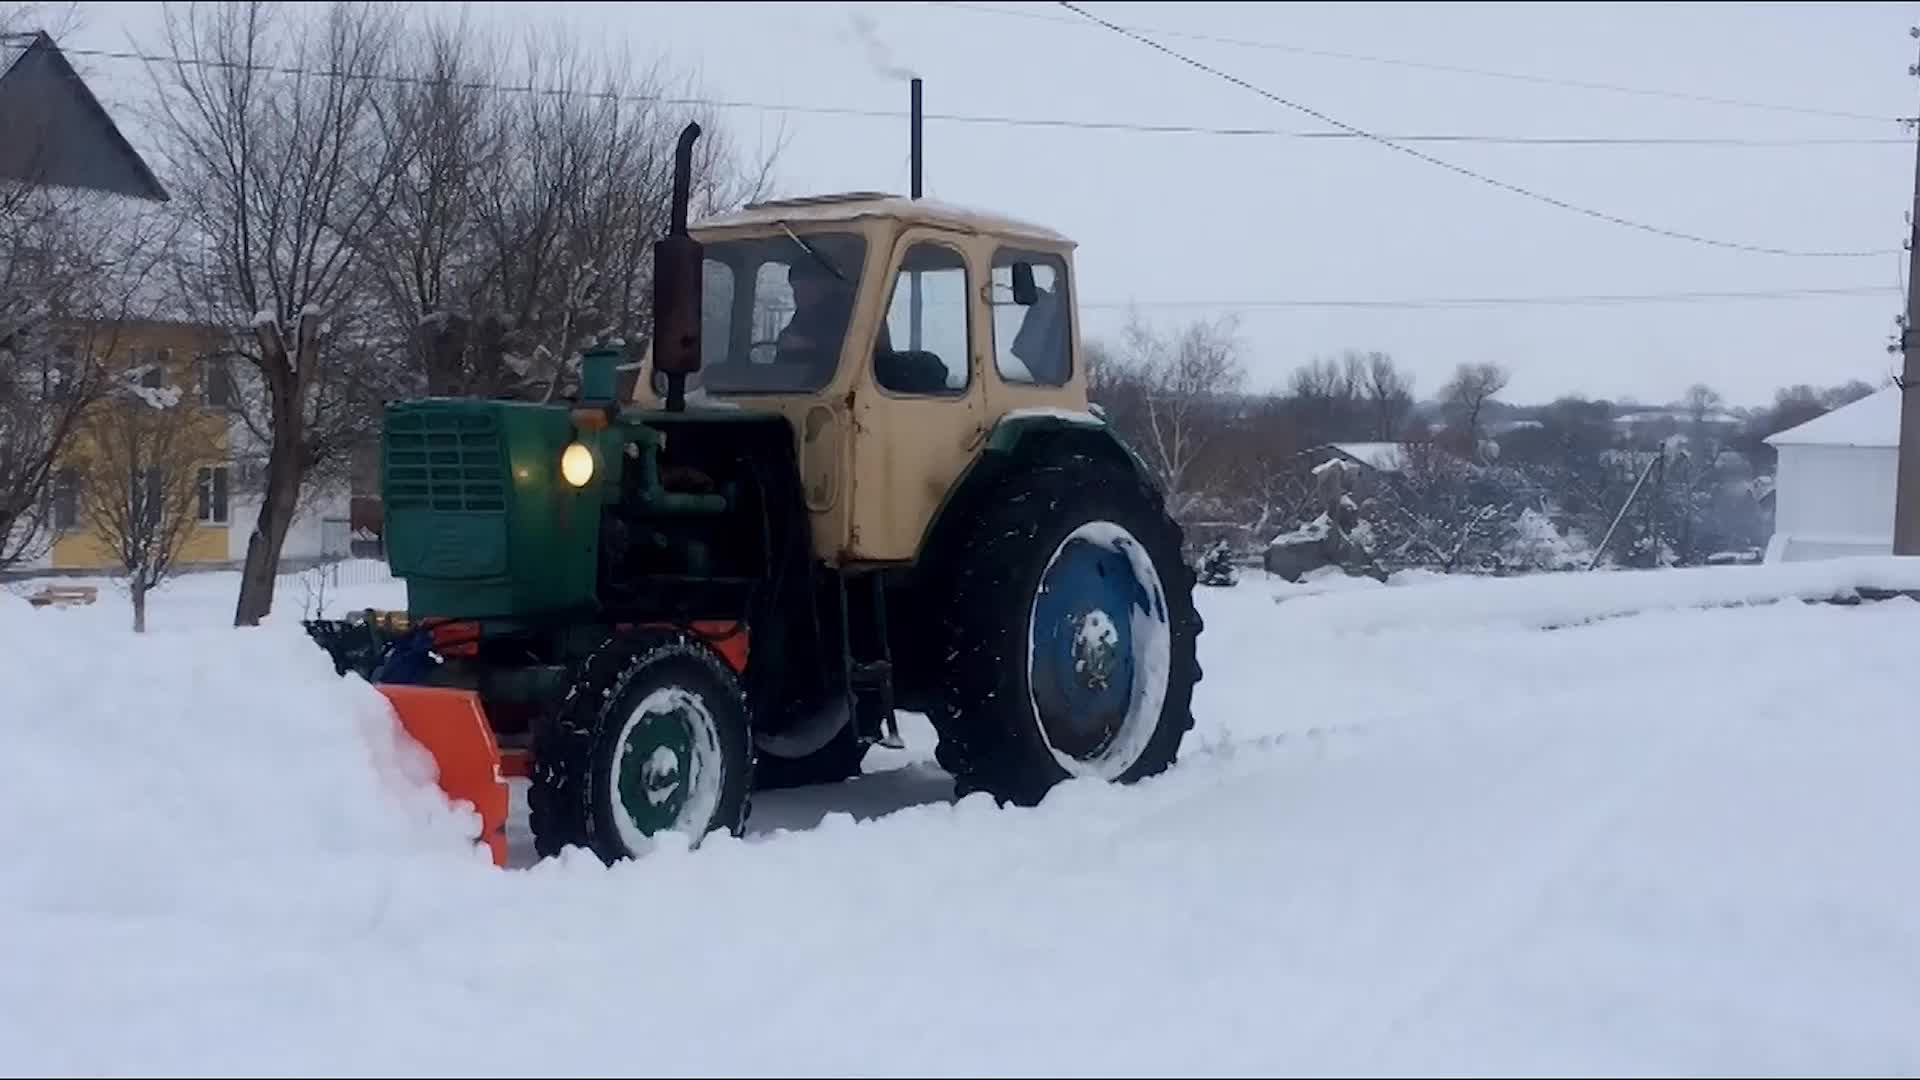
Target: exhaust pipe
[(678, 262), (913, 129)]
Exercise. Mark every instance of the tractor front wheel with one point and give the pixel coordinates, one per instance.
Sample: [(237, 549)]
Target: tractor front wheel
[(1071, 633), (652, 738)]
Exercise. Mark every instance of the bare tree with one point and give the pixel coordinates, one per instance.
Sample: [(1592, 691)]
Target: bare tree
[(524, 223), (1324, 399), (140, 465), (72, 267), (1186, 380), (1467, 394), (1444, 513), (283, 178), (1700, 402), (1389, 395)]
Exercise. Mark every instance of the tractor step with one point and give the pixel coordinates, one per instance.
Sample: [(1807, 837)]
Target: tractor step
[(870, 682)]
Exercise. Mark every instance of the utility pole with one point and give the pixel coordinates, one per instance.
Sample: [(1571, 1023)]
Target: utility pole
[(1906, 499)]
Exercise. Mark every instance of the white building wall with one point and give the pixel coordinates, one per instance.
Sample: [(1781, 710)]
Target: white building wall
[(319, 528), (1833, 501)]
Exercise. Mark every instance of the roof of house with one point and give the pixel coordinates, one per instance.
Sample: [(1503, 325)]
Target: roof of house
[(54, 131), (1383, 456), (1874, 420), (866, 204)]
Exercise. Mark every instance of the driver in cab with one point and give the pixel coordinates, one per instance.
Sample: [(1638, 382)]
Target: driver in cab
[(822, 307)]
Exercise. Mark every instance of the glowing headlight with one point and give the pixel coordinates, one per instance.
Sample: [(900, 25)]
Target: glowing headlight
[(576, 464)]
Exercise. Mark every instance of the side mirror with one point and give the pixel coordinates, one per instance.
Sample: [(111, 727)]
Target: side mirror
[(1025, 292)]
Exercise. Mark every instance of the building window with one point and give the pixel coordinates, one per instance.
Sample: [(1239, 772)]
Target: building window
[(253, 476), (66, 500), (213, 495), (216, 383)]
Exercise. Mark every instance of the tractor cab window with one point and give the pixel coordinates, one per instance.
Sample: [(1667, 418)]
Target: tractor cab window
[(774, 314), (1031, 331), (923, 346)]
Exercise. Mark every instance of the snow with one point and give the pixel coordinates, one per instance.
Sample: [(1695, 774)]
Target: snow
[(264, 318), (1072, 416), (853, 205), (1384, 456), (1097, 632), (1438, 602), (1312, 532), (1680, 841), (155, 397), (1873, 420)]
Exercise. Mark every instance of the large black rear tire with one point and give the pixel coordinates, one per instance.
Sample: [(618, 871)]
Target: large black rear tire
[(652, 737), (1069, 634)]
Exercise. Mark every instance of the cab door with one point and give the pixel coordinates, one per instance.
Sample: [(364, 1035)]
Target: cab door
[(918, 414)]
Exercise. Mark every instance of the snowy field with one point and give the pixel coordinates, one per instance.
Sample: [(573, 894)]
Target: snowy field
[(1624, 823)]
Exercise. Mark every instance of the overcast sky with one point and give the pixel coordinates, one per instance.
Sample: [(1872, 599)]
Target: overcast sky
[(1186, 224)]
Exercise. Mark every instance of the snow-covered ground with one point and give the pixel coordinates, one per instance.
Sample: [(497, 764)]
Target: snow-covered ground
[(1570, 825)]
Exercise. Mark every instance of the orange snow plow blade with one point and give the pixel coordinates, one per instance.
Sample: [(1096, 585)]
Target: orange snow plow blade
[(452, 726)]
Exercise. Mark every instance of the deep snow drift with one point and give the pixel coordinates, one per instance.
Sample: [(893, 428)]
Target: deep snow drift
[(1412, 832)]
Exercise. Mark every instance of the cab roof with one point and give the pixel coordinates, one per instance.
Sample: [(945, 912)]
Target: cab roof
[(854, 205)]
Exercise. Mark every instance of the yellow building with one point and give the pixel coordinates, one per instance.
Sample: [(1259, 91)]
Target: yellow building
[(161, 355)]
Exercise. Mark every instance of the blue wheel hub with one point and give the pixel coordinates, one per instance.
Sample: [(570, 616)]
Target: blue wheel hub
[(1082, 668)]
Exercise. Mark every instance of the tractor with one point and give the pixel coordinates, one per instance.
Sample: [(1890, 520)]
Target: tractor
[(854, 471)]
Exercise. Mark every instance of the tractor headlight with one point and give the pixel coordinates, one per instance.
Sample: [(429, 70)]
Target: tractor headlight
[(576, 464)]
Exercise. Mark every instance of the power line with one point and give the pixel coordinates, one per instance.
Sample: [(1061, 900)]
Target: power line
[(1451, 69), (1503, 185), (1574, 300), (1001, 120)]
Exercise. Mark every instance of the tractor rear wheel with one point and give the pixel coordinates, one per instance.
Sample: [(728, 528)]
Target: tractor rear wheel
[(1070, 635), (652, 738)]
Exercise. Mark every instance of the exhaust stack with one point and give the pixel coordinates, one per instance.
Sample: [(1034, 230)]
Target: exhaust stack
[(678, 261), (914, 134)]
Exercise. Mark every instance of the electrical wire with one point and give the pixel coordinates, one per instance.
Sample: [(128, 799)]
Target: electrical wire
[(1515, 189), (1002, 120), (1451, 69), (1591, 299)]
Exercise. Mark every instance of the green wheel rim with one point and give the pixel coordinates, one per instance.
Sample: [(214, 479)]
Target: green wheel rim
[(653, 772), (666, 768)]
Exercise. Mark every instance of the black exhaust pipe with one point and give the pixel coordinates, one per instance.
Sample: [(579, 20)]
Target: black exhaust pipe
[(913, 125), (683, 178), (677, 277)]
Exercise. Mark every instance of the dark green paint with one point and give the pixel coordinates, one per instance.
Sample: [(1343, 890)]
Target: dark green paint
[(639, 779), (480, 522)]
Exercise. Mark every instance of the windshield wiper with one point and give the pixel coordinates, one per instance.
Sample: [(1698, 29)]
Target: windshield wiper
[(817, 256)]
